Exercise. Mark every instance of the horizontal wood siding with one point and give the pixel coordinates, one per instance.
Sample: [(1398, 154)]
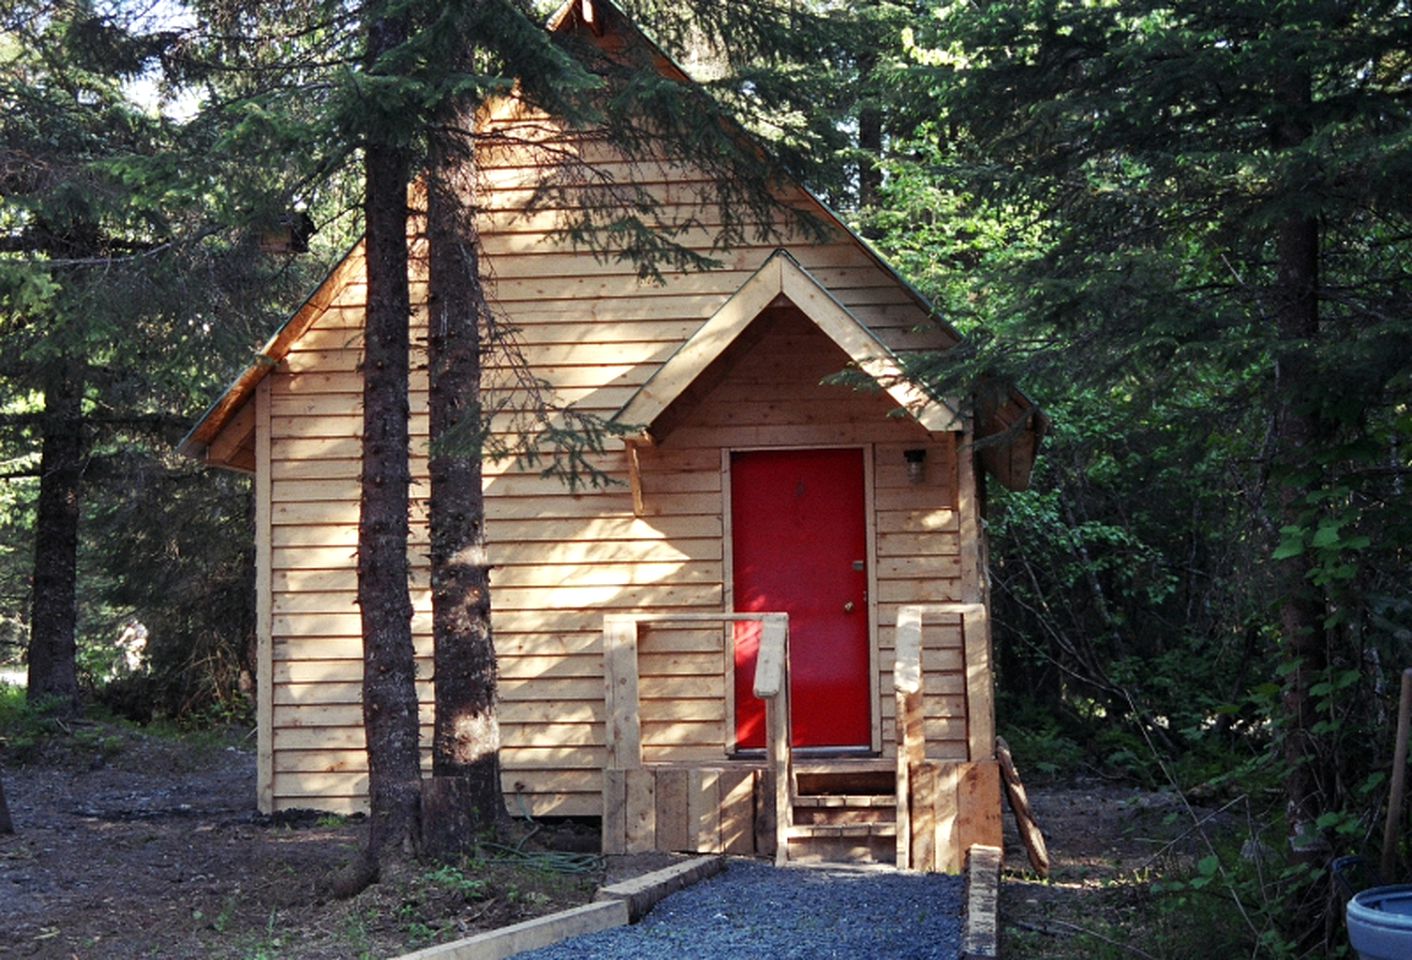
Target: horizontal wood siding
[(594, 332)]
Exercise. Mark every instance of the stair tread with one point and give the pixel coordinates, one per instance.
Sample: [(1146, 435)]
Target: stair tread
[(843, 765), (845, 800), (805, 830)]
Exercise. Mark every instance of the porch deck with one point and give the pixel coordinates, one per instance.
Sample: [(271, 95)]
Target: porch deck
[(915, 812)]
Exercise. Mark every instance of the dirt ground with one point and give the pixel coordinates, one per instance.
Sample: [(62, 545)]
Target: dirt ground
[(133, 846), (1107, 844)]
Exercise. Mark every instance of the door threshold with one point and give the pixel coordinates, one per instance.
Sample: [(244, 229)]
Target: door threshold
[(812, 753)]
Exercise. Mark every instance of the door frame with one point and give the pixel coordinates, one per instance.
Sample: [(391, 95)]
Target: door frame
[(870, 558)]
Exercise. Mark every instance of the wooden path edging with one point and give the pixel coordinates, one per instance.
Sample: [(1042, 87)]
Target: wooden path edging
[(643, 893), (614, 906), (531, 935), (981, 932)]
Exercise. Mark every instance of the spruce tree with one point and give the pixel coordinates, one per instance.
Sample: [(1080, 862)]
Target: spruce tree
[(1211, 194), (426, 71), (107, 214), (389, 693)]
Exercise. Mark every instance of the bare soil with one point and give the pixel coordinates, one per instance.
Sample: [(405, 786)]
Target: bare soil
[(130, 845), (1107, 845)]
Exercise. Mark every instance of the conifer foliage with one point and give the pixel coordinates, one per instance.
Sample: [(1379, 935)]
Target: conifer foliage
[(1196, 207), (115, 252)]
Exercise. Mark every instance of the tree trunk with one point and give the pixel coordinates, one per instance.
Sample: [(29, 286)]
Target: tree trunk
[(54, 612), (870, 142), (389, 692), (870, 127), (466, 743), (1296, 304), (7, 825)]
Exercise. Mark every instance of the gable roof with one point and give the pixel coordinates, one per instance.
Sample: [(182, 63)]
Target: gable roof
[(604, 24), (227, 407), (782, 276)]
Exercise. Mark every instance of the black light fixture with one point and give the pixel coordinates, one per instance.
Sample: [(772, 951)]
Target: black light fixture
[(916, 465)]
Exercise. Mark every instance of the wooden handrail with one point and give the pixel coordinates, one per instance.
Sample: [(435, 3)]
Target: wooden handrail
[(908, 683), (771, 684), (620, 676)]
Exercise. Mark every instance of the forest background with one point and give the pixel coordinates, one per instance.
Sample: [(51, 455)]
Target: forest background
[(1184, 229)]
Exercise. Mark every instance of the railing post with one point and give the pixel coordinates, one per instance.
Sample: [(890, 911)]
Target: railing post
[(624, 732), (623, 728), (772, 686), (910, 719)]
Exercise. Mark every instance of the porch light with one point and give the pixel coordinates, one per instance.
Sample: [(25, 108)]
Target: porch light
[(916, 465)]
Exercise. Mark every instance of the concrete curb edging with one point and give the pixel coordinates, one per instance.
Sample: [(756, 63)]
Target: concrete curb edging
[(643, 893), (980, 936), (614, 906)]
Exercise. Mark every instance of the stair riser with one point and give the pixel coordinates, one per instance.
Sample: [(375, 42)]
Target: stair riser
[(846, 782), (842, 850), (839, 815)]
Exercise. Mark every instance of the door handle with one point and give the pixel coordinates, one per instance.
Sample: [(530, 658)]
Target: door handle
[(848, 606)]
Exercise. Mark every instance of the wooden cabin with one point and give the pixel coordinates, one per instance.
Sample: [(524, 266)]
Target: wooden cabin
[(767, 634)]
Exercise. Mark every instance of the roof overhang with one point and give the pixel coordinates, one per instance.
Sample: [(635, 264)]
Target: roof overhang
[(782, 276), (214, 438)]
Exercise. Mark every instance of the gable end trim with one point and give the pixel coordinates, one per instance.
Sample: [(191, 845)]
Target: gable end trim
[(781, 275)]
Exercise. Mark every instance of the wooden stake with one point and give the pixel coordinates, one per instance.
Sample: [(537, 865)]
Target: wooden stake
[(1399, 778)]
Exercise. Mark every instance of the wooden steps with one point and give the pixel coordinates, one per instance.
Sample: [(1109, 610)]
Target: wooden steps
[(845, 810), (804, 831)]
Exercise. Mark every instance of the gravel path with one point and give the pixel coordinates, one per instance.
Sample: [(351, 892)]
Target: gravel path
[(753, 911)]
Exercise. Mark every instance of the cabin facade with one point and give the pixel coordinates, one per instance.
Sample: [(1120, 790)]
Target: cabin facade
[(768, 634)]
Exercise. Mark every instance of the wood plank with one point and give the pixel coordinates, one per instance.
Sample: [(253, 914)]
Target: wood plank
[(529, 935), (324, 760), (918, 544), (980, 934), (609, 284), (907, 668), (919, 591), (926, 784), (237, 433), (672, 814), (703, 809), (641, 830), (620, 679), (541, 735), (707, 737), (737, 792), (710, 709), (543, 712), (615, 811), (706, 664), (950, 853), (264, 611), (978, 806), (968, 510), (980, 685)]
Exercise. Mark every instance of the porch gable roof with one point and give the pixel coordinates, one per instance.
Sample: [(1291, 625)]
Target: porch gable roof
[(781, 276)]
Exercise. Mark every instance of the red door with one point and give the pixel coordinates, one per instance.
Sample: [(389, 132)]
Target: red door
[(799, 544)]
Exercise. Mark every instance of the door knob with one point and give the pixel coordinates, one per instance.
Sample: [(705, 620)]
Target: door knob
[(848, 606)]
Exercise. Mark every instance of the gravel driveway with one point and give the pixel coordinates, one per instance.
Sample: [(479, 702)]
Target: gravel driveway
[(757, 911)]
